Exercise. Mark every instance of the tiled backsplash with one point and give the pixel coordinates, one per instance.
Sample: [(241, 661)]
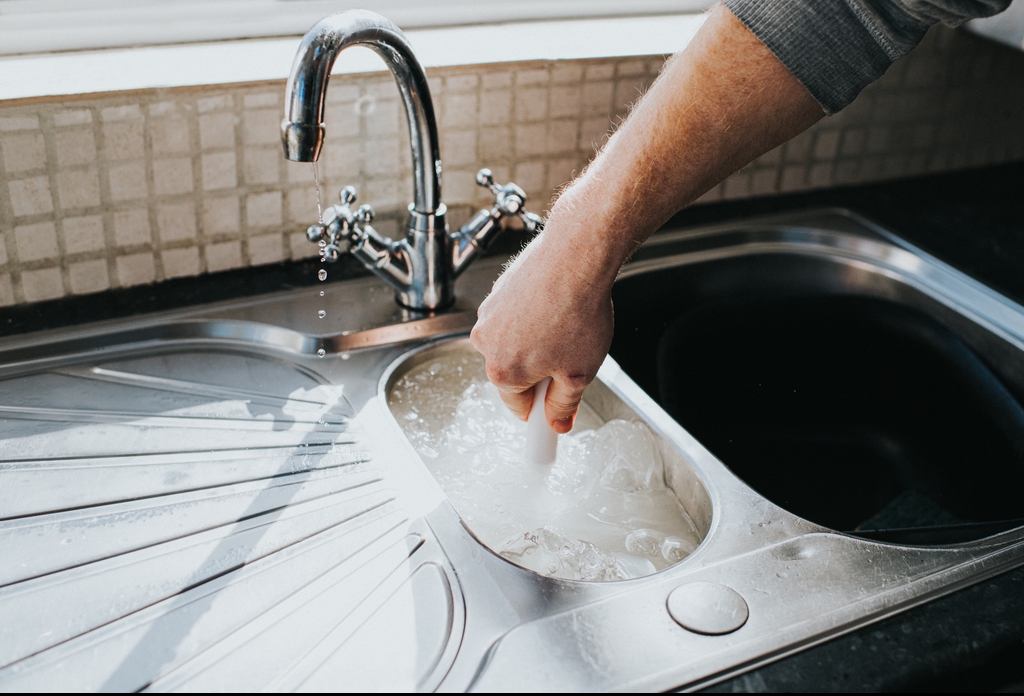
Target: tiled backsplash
[(124, 190)]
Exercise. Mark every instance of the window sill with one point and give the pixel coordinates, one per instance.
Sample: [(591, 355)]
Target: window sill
[(47, 77)]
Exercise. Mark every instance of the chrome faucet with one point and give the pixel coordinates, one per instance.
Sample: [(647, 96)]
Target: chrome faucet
[(422, 267)]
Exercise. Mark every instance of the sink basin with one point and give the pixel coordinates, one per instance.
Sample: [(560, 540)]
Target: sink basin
[(196, 501), (849, 395)]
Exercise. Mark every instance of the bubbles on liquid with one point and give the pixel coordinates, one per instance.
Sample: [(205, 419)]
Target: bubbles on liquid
[(603, 511), (321, 274), (321, 314), (321, 352), (322, 244)]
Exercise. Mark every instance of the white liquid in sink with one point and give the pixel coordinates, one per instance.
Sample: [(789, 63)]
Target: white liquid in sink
[(602, 511)]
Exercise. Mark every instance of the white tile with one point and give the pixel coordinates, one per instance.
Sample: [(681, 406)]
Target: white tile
[(180, 263), (36, 242), (495, 106), (219, 102), (170, 136), (31, 196), (599, 72), (531, 139), (531, 104), (224, 256), (72, 117), (17, 123), (127, 181), (173, 176), (567, 72), (132, 228), (300, 247), (219, 171), (534, 76), (560, 174), (263, 99), (89, 276), (123, 141), (826, 144), (301, 204), (220, 215), (82, 234), (176, 221), (78, 188), (565, 101), (563, 136), (530, 177), (217, 131), (43, 284), (458, 148), (495, 145), (24, 153), (266, 248), (262, 127), (597, 98), (164, 108), (263, 209), (6, 290), (462, 82), (261, 166), (75, 147), (135, 269), (128, 112), (631, 68), (496, 79), (459, 110)]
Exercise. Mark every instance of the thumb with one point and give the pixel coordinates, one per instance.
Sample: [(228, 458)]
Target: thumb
[(561, 404)]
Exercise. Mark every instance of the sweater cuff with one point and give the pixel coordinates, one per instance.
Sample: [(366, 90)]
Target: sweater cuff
[(821, 42)]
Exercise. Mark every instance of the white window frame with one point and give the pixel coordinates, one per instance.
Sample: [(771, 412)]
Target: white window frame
[(45, 26)]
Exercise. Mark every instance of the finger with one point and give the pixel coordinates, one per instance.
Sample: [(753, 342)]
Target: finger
[(519, 402), (562, 403)]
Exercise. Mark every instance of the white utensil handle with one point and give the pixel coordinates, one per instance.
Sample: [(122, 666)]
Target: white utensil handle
[(541, 440)]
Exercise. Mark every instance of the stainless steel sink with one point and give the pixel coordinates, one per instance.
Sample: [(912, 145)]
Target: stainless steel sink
[(195, 500)]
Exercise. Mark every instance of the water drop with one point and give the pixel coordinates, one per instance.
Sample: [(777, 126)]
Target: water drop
[(322, 274), (321, 314), (321, 353), (321, 293), (344, 356), (322, 243)]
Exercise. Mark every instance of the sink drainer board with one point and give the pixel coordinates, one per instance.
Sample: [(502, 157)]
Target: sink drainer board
[(219, 509)]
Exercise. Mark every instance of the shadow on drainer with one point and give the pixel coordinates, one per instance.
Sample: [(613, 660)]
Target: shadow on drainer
[(837, 392)]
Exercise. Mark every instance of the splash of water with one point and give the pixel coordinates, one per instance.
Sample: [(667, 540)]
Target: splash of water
[(602, 511)]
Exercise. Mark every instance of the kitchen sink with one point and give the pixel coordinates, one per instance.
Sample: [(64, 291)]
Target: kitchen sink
[(846, 392), (195, 500)]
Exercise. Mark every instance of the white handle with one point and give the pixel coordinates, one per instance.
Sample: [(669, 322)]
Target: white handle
[(541, 440)]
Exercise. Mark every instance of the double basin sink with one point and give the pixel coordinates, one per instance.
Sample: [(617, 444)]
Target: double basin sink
[(196, 500)]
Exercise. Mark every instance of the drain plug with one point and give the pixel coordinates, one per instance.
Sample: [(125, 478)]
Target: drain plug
[(708, 608)]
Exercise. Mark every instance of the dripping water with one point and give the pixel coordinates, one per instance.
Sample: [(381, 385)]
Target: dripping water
[(319, 203), (321, 274)]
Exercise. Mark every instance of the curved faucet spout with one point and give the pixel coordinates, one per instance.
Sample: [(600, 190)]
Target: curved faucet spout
[(302, 130)]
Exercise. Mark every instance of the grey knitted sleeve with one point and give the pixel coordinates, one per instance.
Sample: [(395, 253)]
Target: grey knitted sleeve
[(836, 48)]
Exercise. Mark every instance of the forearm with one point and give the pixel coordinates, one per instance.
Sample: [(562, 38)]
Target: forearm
[(718, 105)]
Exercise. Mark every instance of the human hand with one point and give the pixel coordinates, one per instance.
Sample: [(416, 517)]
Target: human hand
[(547, 316)]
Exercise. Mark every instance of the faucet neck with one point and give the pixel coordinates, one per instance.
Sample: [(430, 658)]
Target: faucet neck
[(303, 127)]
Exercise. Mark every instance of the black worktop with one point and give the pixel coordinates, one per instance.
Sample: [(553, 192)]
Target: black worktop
[(972, 639)]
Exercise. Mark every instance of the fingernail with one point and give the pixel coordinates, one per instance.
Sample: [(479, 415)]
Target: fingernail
[(564, 425)]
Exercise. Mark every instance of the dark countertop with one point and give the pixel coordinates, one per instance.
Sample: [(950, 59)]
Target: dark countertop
[(973, 220)]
